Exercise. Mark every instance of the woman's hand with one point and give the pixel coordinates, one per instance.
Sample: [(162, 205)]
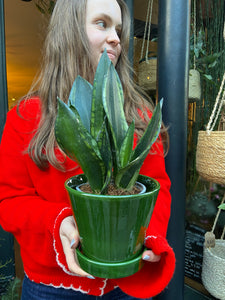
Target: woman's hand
[(70, 240), (150, 256)]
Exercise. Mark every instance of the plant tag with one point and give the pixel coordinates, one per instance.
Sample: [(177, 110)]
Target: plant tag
[(210, 240)]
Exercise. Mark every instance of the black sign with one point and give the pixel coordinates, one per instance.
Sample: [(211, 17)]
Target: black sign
[(194, 240)]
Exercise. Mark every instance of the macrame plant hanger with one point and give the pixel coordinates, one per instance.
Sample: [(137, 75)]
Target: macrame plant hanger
[(217, 109), (194, 93), (147, 69)]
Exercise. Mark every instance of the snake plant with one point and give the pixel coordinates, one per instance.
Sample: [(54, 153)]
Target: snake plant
[(92, 130)]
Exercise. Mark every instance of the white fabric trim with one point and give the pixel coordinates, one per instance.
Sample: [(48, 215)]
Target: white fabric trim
[(150, 237), (61, 286), (65, 268), (104, 285), (54, 246), (67, 288)]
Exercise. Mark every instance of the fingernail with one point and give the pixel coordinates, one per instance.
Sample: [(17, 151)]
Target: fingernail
[(146, 257), (72, 243), (90, 277)]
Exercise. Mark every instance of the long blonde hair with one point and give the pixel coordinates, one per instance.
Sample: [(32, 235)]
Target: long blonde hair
[(66, 55)]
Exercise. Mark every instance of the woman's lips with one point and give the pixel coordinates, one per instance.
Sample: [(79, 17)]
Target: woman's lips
[(111, 55)]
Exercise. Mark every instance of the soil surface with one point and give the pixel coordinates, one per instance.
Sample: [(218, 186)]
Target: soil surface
[(112, 190)]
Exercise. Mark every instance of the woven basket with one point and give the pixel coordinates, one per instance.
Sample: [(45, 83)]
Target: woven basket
[(213, 264), (210, 156), (213, 269), (147, 73), (210, 152), (194, 91)]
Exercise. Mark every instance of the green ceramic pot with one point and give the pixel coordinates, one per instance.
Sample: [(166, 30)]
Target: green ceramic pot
[(111, 228)]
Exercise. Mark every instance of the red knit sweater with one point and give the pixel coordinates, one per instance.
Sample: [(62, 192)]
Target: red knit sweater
[(33, 203)]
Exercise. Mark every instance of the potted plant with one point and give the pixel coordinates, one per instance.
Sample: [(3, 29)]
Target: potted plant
[(92, 130), (200, 58), (201, 64)]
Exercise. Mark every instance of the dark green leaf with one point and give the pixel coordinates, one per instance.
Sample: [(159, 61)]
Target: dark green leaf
[(113, 106), (105, 150), (127, 146), (151, 133), (78, 144), (80, 97), (97, 112), (127, 176)]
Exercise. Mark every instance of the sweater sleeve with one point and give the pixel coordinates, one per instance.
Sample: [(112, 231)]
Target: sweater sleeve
[(154, 277), (154, 166), (28, 215)]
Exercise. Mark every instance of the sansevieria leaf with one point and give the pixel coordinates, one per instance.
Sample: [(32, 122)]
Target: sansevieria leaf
[(113, 106), (127, 176), (97, 111), (151, 133), (80, 97), (127, 146), (106, 154), (92, 130), (78, 144)]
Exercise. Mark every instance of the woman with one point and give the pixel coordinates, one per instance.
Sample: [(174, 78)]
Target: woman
[(33, 201)]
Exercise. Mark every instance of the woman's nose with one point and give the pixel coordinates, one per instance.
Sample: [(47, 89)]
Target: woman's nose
[(113, 37)]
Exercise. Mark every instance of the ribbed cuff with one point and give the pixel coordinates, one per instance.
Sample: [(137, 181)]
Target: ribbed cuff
[(153, 278)]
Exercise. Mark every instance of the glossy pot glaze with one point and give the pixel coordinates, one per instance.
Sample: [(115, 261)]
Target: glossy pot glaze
[(112, 228)]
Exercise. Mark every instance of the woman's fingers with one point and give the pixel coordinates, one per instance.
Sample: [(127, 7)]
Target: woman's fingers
[(70, 240), (71, 258), (150, 256)]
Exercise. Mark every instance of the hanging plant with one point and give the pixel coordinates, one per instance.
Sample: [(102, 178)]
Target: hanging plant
[(204, 61), (194, 92), (147, 68)]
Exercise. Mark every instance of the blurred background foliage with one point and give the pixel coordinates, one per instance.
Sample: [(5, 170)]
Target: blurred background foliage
[(207, 46)]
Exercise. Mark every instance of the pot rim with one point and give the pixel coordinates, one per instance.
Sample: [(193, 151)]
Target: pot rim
[(105, 197)]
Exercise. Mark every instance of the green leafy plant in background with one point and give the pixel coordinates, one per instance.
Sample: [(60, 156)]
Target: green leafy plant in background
[(13, 291), (204, 61), (222, 206), (11, 287), (92, 130)]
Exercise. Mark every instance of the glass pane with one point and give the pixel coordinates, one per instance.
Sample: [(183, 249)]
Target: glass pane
[(207, 65), (24, 32)]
